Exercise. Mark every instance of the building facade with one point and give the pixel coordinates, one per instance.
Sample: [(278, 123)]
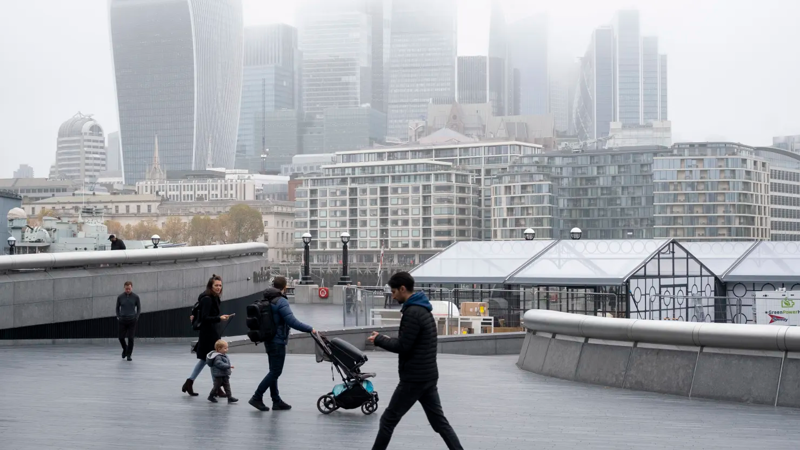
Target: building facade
[(422, 62), (178, 74), (790, 143), (270, 90), (712, 191), (353, 128), (198, 186), (113, 154), (38, 188), (81, 149), (784, 192), (528, 53), (24, 171), (653, 133), (595, 105), (8, 201)]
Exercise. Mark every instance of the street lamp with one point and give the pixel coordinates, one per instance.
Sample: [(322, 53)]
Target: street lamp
[(630, 234), (155, 239), (344, 280), (529, 234), (575, 233), (306, 279), (12, 241)]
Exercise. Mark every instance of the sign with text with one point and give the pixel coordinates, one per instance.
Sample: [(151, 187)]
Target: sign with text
[(778, 308)]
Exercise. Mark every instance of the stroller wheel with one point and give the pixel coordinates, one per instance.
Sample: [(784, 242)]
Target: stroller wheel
[(326, 404), (369, 407)]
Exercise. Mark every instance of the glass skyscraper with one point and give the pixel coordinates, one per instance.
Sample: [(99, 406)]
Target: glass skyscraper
[(422, 62), (527, 51), (178, 74)]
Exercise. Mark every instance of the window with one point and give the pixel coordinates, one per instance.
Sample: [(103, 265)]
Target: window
[(127, 209), (138, 209), (149, 208)]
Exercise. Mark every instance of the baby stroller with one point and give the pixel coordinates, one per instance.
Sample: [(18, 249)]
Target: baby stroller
[(356, 389)]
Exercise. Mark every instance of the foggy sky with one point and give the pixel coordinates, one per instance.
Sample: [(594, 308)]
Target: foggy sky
[(733, 65)]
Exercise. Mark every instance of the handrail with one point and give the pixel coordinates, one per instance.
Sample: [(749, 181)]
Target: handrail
[(701, 334), (77, 259)]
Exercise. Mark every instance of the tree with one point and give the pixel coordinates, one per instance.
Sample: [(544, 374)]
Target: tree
[(203, 230), (144, 230), (128, 231), (37, 220), (114, 227), (241, 224), (175, 230)]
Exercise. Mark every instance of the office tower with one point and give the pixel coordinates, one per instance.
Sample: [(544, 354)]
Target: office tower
[(113, 155), (342, 46), (628, 70), (24, 171), (178, 74), (498, 64), (594, 109), (472, 79), (422, 62), (81, 149), (527, 46), (271, 84), (563, 80)]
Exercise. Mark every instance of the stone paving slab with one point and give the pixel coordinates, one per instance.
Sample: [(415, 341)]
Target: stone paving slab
[(86, 397)]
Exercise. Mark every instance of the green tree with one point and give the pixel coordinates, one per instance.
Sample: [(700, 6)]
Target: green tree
[(241, 224), (175, 230), (202, 230), (127, 232), (145, 229)]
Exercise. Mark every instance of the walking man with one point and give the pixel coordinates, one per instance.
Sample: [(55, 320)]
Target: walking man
[(116, 243), (275, 298), (416, 346), (387, 296), (128, 310)]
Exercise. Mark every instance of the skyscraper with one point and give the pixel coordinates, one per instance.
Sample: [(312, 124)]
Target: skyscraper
[(527, 39), (498, 64), (472, 79), (113, 155), (594, 107), (628, 70), (81, 148), (178, 74), (24, 171), (271, 82), (422, 62)]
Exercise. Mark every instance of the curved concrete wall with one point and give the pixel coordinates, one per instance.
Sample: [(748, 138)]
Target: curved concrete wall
[(84, 286), (744, 363)]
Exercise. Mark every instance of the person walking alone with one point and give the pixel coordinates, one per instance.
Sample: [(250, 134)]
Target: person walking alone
[(419, 374), (116, 243), (210, 317), (275, 298), (128, 309), (387, 296)]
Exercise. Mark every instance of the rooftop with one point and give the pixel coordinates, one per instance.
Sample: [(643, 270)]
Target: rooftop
[(100, 199), (16, 183), (517, 410)]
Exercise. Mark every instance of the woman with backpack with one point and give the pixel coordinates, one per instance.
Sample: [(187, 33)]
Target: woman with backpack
[(209, 302)]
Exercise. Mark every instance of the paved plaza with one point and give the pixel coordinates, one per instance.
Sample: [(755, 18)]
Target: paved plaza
[(86, 397)]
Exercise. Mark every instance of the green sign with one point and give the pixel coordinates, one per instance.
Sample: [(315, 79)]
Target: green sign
[(787, 303)]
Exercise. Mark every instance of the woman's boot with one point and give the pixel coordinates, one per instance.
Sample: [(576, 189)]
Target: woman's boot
[(187, 387)]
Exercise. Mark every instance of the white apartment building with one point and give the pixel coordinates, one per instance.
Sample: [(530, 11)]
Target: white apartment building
[(784, 192), (658, 132), (81, 149), (200, 187), (410, 208), (711, 191)]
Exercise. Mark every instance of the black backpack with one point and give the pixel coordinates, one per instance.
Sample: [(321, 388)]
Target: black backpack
[(261, 322), (197, 320)]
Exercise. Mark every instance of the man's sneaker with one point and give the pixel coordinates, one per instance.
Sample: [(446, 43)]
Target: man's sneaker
[(280, 405), (124, 354), (232, 399), (258, 404), (129, 358), (212, 399)]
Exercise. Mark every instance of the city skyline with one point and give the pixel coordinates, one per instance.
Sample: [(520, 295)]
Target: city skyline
[(711, 36)]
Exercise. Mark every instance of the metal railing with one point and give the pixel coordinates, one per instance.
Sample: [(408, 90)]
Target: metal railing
[(692, 308)]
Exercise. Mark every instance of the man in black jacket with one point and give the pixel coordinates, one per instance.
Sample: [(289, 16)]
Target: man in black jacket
[(416, 346), (116, 243), (128, 309)]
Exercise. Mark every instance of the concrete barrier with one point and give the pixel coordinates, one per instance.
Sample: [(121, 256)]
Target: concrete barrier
[(742, 363)]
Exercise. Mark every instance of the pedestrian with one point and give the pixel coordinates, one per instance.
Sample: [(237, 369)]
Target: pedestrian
[(220, 370), (116, 243), (210, 317), (275, 298), (416, 346), (387, 296), (128, 309)]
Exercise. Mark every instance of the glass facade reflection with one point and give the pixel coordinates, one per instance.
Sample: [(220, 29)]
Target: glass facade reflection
[(178, 74)]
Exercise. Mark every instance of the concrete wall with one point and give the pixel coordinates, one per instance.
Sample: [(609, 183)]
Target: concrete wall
[(79, 293), (742, 363)]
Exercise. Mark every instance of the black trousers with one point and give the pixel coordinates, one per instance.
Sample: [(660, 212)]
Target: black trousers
[(387, 300), (224, 382), (127, 329), (404, 397)]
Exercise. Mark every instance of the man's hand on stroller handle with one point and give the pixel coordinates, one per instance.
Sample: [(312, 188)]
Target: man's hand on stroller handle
[(373, 336)]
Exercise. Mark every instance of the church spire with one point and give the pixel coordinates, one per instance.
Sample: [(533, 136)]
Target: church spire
[(155, 172)]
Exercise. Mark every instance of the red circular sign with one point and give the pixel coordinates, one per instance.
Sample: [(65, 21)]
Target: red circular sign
[(323, 292)]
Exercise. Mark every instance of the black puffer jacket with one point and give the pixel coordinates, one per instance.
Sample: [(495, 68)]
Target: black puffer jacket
[(416, 342)]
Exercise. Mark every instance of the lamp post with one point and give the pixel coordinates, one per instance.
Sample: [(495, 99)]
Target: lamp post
[(344, 280), (575, 234), (306, 279), (529, 234), (12, 241), (155, 239)]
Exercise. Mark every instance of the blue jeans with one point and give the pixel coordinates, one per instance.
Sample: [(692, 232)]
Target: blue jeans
[(198, 368), (276, 354)]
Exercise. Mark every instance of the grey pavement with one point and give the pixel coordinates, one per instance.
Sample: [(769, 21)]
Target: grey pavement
[(86, 397)]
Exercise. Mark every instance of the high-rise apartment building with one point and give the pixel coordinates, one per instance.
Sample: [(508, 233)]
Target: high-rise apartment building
[(784, 192), (81, 149), (528, 55), (711, 191), (24, 171), (178, 74), (270, 88), (423, 60)]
